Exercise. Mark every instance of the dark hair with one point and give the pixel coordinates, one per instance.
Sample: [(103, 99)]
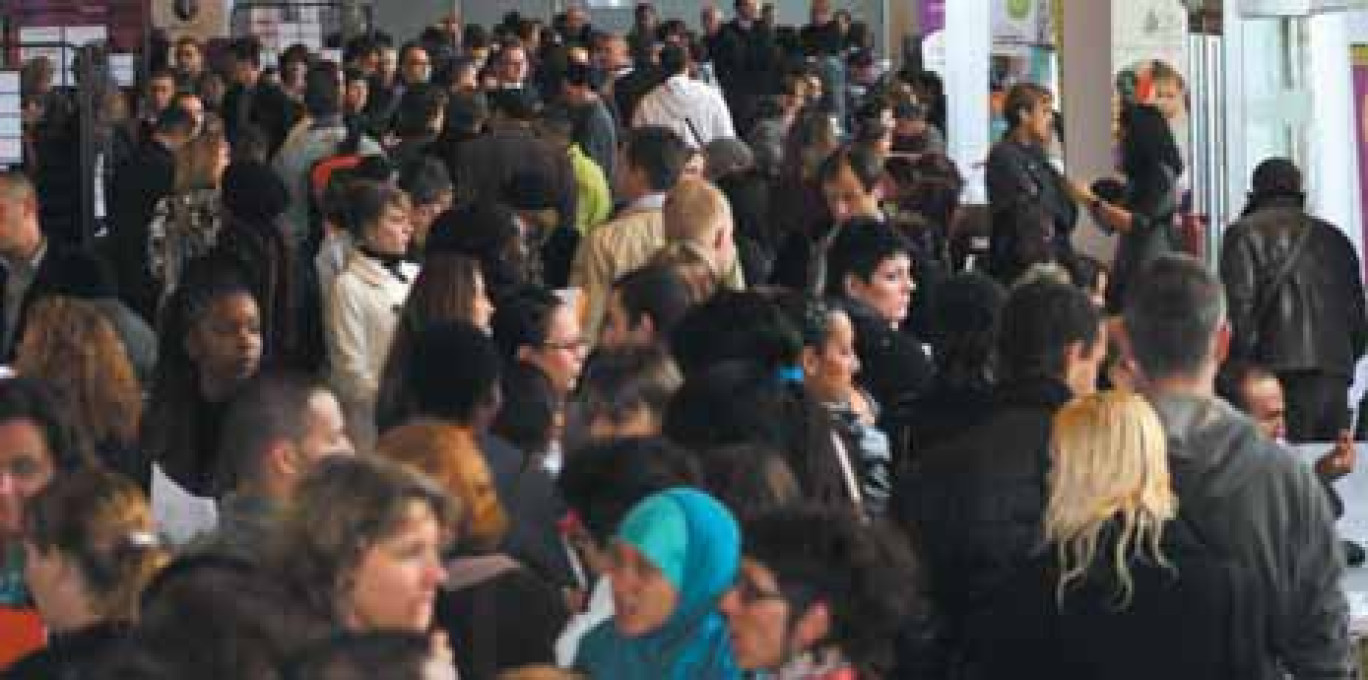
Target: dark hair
[(964, 314), (33, 400), (749, 479), (674, 59), (862, 245), (863, 161), (425, 180), (603, 481), (246, 49), (352, 74), (656, 292), (365, 655), (618, 383), (1172, 319), (863, 574), (418, 107), (175, 120), (1021, 100), (744, 326), (657, 151), (750, 194), (271, 408), (366, 203), (1234, 375), (453, 371), (322, 89), (486, 232), (1038, 323), (298, 52), (523, 320), (527, 415)]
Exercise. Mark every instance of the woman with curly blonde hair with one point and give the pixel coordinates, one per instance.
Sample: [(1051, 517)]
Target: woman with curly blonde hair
[(71, 345), (1120, 574)]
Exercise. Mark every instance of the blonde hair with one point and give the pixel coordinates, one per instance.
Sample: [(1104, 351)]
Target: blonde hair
[(197, 162), (694, 211), (688, 261), (1109, 481), (451, 457)]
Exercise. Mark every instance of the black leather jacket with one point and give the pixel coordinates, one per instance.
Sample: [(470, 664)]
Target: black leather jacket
[(1315, 320)]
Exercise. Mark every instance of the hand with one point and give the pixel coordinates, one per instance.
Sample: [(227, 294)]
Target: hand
[(1080, 193), (1339, 461)]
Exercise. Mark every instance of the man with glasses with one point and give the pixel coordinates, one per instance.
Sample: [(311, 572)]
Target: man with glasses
[(819, 596)]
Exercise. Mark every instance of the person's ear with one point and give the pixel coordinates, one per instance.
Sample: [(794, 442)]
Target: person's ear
[(812, 627), (853, 286), (1221, 343), (810, 360), (283, 460), (645, 326)]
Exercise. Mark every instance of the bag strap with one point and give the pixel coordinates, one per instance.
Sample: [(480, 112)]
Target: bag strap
[(472, 571), (1284, 273)]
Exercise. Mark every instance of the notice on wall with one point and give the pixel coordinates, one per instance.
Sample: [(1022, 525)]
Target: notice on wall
[(11, 121)]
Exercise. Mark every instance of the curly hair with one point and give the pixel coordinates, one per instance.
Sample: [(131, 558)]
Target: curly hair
[(73, 347), (346, 506)]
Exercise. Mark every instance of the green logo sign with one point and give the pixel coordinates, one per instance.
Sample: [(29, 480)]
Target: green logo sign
[(1020, 9)]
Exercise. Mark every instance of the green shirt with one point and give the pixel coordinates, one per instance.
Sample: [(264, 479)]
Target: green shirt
[(595, 200)]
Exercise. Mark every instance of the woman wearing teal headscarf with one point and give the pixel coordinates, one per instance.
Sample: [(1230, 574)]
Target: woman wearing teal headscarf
[(674, 556)]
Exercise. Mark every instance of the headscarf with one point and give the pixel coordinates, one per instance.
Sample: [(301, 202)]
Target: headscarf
[(695, 543)]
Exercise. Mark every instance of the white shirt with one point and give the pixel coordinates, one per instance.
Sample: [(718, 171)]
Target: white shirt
[(694, 110)]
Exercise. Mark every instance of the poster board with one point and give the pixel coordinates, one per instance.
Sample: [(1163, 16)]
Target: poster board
[(11, 121)]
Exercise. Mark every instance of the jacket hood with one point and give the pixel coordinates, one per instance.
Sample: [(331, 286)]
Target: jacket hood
[(1209, 442)]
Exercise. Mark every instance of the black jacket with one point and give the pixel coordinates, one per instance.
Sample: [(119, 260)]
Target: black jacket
[(1019, 175), (747, 64), (146, 178), (1152, 202), (893, 365), (78, 655), (973, 505), (1315, 321), (65, 270), (265, 106)]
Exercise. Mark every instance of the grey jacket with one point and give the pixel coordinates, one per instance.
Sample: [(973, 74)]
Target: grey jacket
[(1255, 502)]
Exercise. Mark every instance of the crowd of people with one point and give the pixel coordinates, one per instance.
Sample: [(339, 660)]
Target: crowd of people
[(541, 351)]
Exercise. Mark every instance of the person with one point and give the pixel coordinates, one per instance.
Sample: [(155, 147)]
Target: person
[(186, 222), (139, 184), (306, 145), (651, 162), (449, 288), (89, 551), (37, 445), (830, 365), (975, 502), (595, 201), (365, 301), (623, 393), (276, 431), (819, 596), (744, 56), (849, 180), (1019, 174), (418, 119), (488, 233), (1120, 575), (1296, 301), (869, 270), (695, 111), (913, 134), (644, 307), (498, 613), (73, 347), (537, 328), (190, 63), (361, 546), (697, 217), (1152, 165), (1237, 489), (595, 129), (673, 557), (431, 193), (253, 101), (158, 94), (965, 314), (211, 345), (392, 654), (34, 266)]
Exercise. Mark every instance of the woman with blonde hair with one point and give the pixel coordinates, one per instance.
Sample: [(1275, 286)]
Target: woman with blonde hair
[(185, 225), (89, 551), (497, 613), (1120, 574), (72, 346)]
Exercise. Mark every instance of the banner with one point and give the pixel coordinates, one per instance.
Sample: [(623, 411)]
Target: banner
[(932, 16), (1360, 71)]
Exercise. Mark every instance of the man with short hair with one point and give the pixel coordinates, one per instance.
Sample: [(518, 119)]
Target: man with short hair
[(975, 503), (644, 308), (1296, 301), (139, 184), (746, 59), (818, 595), (595, 130), (430, 191), (253, 100), (275, 432), (650, 164), (695, 111), (698, 215), (1241, 493)]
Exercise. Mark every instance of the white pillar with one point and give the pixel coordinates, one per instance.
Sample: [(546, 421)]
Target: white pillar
[(1086, 75), (1332, 179), (968, 39)]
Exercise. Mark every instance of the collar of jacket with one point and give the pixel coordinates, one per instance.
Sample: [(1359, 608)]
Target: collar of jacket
[(1039, 392)]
